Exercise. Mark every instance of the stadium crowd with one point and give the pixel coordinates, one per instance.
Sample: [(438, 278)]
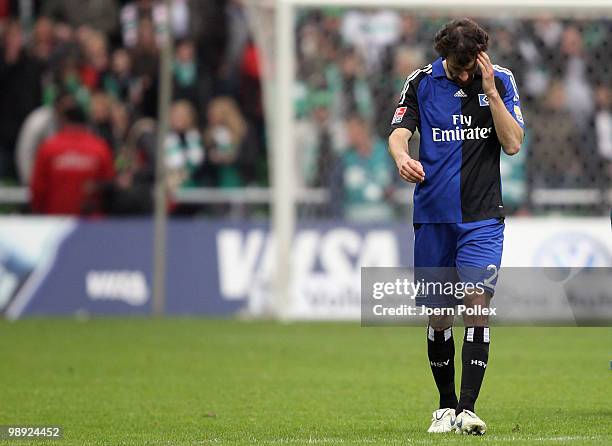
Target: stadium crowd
[(355, 62), (73, 72), (77, 69)]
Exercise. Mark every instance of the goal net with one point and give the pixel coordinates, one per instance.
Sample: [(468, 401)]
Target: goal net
[(333, 72)]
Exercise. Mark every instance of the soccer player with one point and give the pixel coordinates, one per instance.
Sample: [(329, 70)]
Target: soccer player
[(465, 109)]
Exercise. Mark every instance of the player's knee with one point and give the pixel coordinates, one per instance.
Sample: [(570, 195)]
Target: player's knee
[(440, 322), (477, 300), (477, 317)]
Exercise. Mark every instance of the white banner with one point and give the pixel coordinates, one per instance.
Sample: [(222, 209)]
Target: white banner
[(557, 242), (529, 242)]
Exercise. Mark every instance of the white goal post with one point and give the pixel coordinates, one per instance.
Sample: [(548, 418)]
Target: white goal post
[(273, 22)]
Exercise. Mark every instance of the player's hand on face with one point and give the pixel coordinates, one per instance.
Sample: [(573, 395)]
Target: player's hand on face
[(410, 170), (487, 72)]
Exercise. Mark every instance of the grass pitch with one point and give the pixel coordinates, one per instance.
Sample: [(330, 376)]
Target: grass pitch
[(200, 382)]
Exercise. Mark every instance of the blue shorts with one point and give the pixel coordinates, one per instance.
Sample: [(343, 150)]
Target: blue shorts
[(457, 252)]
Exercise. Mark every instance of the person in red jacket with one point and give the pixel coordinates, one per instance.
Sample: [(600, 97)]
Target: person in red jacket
[(69, 166)]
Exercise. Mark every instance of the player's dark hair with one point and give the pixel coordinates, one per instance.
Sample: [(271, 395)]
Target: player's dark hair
[(462, 40)]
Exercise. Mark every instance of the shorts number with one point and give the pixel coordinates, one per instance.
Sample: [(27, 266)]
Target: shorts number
[(489, 281)]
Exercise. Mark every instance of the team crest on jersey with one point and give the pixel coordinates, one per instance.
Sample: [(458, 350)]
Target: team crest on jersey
[(399, 115), (483, 100), (518, 114)]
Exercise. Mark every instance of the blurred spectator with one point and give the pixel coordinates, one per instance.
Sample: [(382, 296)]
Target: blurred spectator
[(388, 85), (251, 109), (145, 67), (250, 96), (370, 32), (43, 39), (131, 193), (69, 167), (320, 139), (120, 122), (538, 46), (139, 152), (102, 13), (226, 139), (367, 174), (41, 124), (186, 17), (410, 33), (67, 75), (209, 27), (354, 94), (349, 62), (188, 82), (308, 46), (573, 65), (183, 146), (63, 33), (237, 39), (95, 57), (100, 119), (132, 15), (145, 52), (603, 132), (20, 78), (405, 61), (119, 82), (553, 156), (411, 38)]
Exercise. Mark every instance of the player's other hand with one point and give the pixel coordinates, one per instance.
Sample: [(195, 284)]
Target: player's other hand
[(410, 169), (488, 74)]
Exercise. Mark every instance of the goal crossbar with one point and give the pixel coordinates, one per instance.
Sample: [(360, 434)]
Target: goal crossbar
[(509, 7)]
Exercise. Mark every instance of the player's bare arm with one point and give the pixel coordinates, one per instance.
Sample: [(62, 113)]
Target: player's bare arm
[(509, 132), (409, 169)]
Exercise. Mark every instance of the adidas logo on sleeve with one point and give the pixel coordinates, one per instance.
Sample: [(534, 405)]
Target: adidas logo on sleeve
[(460, 94)]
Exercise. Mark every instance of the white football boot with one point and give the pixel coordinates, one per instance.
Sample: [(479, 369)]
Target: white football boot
[(468, 423), (442, 420)]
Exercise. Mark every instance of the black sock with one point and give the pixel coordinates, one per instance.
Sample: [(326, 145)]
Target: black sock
[(475, 357), (441, 352)]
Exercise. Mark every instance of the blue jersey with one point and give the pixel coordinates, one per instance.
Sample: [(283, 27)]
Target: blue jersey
[(459, 148)]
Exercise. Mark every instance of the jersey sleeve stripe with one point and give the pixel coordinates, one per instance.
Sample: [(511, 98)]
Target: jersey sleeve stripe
[(427, 69), (511, 76)]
